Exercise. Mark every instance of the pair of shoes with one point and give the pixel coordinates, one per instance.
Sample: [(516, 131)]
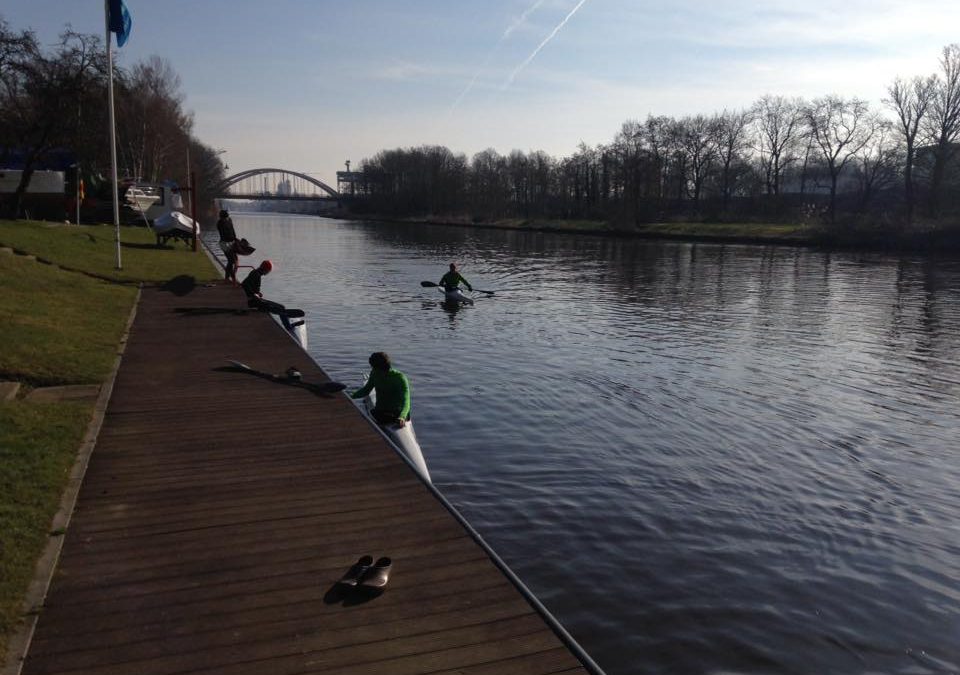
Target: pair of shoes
[(365, 572)]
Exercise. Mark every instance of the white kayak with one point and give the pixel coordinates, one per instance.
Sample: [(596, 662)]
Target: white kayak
[(456, 295), (403, 438), (300, 333)]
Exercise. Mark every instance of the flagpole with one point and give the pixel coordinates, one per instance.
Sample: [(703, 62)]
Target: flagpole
[(113, 132)]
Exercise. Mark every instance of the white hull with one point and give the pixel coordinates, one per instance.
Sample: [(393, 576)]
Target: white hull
[(456, 296), (300, 333), (174, 222), (141, 203), (403, 438)]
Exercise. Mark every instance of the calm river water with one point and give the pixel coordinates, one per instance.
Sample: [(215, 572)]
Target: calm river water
[(701, 458)]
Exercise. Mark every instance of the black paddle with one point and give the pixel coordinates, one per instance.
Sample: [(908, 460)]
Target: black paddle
[(323, 388), (430, 284)]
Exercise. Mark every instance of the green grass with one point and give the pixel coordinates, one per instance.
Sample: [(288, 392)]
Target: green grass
[(733, 230), (58, 327), (38, 443), (92, 249)]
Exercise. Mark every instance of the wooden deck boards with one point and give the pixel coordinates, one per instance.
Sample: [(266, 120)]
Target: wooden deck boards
[(219, 509)]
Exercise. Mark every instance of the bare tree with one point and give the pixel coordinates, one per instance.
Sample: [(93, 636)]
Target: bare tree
[(152, 128), (630, 144), (910, 101), (840, 129), (698, 137), (656, 132), (878, 161), (732, 142), (41, 95), (779, 124), (943, 121)]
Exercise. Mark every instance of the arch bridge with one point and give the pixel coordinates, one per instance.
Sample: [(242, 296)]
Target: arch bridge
[(275, 184)]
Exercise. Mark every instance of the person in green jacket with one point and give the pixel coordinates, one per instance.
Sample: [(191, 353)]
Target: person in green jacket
[(451, 280), (393, 391)]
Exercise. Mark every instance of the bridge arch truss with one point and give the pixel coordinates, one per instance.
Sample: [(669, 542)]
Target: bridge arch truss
[(272, 183)]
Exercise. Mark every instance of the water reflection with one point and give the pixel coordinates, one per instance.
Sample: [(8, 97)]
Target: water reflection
[(754, 448)]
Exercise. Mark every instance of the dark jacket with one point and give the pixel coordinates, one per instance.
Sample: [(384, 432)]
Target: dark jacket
[(251, 285), (225, 227)]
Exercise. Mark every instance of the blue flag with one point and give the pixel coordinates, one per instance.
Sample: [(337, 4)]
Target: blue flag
[(119, 21)]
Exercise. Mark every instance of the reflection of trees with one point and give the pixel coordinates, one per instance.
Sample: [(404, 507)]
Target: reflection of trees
[(922, 316)]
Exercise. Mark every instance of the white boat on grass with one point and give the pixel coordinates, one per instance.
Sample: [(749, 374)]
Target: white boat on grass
[(142, 198), (174, 225)]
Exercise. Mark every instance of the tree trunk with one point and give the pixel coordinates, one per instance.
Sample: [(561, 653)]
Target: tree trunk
[(833, 197), (17, 199), (908, 182)]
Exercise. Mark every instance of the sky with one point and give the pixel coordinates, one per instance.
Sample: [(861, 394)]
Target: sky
[(307, 84)]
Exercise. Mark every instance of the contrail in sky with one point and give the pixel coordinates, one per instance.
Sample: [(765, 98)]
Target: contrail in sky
[(506, 33), (519, 22), (543, 44)]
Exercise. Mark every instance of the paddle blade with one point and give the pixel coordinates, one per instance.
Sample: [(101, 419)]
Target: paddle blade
[(428, 284)]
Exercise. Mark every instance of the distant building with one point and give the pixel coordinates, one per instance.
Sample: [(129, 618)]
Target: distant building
[(41, 182), (350, 182)]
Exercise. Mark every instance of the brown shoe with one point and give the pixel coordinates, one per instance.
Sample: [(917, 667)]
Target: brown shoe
[(378, 575)]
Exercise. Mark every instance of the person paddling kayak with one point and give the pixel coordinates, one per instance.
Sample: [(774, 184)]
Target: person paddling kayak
[(393, 391), (451, 280)]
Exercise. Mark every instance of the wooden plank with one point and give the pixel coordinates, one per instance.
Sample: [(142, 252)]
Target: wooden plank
[(204, 539)]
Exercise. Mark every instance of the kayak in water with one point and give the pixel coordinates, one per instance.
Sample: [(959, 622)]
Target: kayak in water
[(402, 437), (457, 296)]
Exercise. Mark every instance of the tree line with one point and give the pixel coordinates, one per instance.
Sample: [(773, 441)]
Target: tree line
[(833, 160), (53, 104)]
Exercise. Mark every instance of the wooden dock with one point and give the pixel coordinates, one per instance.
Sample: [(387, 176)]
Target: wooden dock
[(219, 510)]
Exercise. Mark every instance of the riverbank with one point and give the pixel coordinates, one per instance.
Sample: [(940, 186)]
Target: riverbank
[(64, 311), (847, 238)]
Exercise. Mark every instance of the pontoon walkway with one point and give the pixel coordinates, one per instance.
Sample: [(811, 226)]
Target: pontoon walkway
[(219, 509)]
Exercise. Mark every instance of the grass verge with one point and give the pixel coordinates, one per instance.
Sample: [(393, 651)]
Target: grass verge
[(38, 443), (59, 325), (92, 249), (758, 231)]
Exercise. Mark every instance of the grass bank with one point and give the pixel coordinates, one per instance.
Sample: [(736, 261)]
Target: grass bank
[(864, 236), (60, 324), (38, 443), (92, 249), (725, 232), (58, 327)]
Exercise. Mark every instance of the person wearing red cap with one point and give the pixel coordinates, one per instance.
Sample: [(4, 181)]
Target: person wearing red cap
[(255, 299)]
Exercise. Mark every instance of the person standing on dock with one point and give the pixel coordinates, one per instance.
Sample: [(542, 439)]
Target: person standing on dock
[(451, 280), (392, 388), (228, 244)]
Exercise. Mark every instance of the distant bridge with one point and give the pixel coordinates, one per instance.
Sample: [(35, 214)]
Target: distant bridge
[(275, 184)]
